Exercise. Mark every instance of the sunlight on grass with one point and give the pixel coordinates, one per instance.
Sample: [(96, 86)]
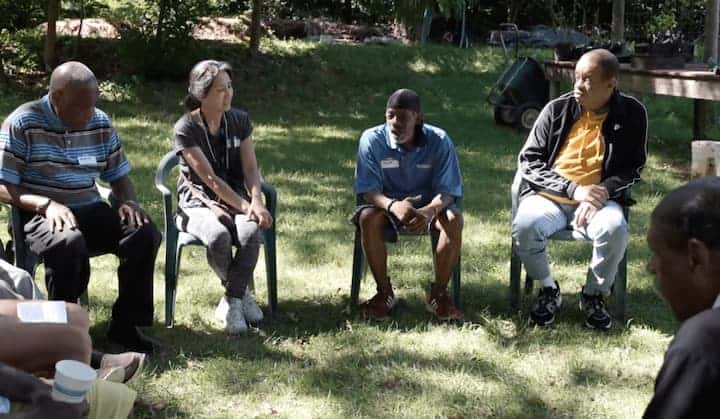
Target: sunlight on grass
[(309, 103)]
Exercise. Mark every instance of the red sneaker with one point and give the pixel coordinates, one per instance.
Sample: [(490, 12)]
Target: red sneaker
[(380, 306), (440, 305)]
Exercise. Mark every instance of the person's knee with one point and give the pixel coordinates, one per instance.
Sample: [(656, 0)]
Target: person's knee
[(150, 235), (525, 229), (452, 224), (72, 246), (372, 219), (78, 316), (73, 343), (614, 230), (248, 234), (220, 242)]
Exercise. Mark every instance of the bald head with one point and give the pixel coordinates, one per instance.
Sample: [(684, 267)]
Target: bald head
[(595, 79), (690, 212), (73, 93), (71, 74), (605, 60)]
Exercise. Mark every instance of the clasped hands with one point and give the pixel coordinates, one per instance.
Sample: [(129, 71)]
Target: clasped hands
[(592, 198), (416, 220)]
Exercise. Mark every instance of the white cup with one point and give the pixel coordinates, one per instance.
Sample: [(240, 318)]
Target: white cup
[(72, 380)]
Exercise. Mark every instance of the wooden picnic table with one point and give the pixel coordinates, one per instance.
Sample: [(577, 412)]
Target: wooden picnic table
[(694, 82)]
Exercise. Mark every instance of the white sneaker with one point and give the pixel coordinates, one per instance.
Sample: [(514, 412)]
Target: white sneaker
[(231, 313), (252, 312)]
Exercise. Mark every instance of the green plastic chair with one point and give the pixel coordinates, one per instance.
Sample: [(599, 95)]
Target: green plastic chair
[(175, 240), (359, 265), (619, 288)]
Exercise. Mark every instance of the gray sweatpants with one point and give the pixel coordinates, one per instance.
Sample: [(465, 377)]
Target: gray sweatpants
[(538, 218), (234, 272)]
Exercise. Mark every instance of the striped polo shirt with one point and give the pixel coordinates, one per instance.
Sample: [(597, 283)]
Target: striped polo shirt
[(40, 154)]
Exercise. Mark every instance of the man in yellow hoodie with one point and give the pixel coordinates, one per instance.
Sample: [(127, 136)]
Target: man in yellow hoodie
[(586, 150)]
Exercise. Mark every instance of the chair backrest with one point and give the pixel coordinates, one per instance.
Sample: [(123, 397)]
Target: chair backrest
[(168, 162)]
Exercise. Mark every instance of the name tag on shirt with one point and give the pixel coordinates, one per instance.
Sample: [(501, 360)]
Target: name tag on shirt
[(236, 141), (87, 161), (389, 163)]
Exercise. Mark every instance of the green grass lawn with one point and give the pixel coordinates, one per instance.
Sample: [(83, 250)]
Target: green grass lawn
[(309, 103)]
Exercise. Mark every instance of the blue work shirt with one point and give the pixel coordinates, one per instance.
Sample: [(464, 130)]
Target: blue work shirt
[(427, 170)]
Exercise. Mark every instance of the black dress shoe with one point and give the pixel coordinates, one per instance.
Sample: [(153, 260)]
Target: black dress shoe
[(132, 339)]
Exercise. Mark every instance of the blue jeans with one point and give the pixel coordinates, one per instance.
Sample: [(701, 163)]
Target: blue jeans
[(538, 218)]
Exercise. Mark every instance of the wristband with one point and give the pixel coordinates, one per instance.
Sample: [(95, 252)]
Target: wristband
[(390, 205)]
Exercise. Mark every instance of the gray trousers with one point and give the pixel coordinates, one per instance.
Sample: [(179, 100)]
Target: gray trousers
[(16, 284), (538, 218), (235, 272)]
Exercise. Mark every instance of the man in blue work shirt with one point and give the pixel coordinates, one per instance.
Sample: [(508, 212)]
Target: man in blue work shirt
[(409, 179)]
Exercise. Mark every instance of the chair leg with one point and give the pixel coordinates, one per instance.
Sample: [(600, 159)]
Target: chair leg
[(620, 289), (271, 268), (172, 269), (357, 268), (515, 273)]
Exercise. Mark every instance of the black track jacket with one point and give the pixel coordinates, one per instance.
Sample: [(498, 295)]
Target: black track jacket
[(624, 133)]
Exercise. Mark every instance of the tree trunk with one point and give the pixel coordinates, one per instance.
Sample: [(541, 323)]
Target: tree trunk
[(618, 21), (347, 11), (255, 27), (162, 14), (51, 35), (710, 55), (80, 26), (426, 23)]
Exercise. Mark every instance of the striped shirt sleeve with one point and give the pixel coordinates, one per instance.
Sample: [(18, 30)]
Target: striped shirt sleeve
[(13, 149), (117, 164)]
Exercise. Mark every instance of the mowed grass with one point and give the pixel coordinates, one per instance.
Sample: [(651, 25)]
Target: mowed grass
[(309, 103)]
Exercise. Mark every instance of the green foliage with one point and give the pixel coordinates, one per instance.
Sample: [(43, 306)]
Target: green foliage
[(156, 36), (19, 52), (15, 14)]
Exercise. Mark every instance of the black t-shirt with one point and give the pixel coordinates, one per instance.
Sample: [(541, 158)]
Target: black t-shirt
[(221, 150), (688, 384)]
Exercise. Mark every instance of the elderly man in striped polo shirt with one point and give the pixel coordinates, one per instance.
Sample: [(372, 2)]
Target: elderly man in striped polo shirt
[(51, 152)]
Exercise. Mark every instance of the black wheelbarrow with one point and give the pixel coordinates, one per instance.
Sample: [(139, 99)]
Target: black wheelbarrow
[(520, 94)]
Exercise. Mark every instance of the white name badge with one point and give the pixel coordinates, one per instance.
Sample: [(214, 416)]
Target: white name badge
[(236, 141), (389, 164), (87, 161)]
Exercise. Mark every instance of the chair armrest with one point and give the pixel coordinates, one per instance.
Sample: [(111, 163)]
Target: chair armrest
[(270, 197)]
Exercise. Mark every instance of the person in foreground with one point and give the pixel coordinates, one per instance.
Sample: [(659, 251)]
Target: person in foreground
[(684, 238), (586, 149), (31, 351), (219, 191), (52, 150), (409, 178), (31, 397), (36, 347)]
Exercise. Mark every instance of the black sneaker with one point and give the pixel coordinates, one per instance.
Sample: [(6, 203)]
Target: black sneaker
[(594, 308), (546, 304)]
